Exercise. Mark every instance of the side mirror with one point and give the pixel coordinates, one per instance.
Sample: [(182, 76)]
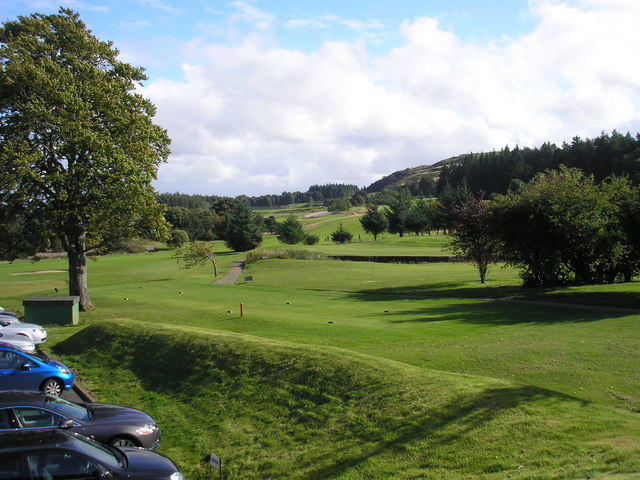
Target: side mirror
[(104, 474), (66, 424), (27, 366)]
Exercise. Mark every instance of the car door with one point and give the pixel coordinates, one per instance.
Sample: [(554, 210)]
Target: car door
[(8, 420), (62, 466), (13, 376), (37, 418), (10, 467)]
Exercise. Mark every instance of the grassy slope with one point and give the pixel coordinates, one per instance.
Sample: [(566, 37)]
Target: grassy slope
[(272, 409), (433, 411)]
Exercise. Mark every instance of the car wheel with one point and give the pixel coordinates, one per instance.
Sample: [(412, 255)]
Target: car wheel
[(52, 387), (123, 442)]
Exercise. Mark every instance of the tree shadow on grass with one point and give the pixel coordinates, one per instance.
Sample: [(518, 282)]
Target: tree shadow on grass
[(445, 426), (613, 303), (496, 313)]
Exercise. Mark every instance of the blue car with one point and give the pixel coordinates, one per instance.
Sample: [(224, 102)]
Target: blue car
[(20, 370)]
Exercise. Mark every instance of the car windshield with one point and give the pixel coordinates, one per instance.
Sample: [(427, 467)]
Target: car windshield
[(67, 408), (109, 456), (42, 356)]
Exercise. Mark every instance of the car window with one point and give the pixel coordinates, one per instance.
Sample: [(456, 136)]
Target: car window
[(108, 456), (10, 468), (11, 359), (36, 418), (6, 421), (61, 466), (66, 408)]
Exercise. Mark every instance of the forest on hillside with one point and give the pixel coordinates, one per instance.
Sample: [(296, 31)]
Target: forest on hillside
[(508, 169)]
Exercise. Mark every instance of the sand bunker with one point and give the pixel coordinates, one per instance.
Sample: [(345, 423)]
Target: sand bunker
[(317, 214), (40, 271)]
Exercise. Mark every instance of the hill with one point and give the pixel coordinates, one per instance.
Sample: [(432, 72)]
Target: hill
[(412, 176)]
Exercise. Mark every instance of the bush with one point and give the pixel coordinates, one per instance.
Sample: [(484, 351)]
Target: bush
[(177, 238), (338, 205), (256, 255), (137, 245), (311, 239), (341, 235)]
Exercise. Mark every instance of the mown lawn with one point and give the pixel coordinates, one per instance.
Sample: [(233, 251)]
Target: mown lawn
[(358, 370)]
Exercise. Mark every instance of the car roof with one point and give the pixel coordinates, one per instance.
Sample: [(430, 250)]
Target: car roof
[(11, 397), (8, 346), (22, 439)]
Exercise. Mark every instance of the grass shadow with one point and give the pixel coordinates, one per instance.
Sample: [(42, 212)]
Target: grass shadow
[(447, 425), (629, 300), (497, 313)]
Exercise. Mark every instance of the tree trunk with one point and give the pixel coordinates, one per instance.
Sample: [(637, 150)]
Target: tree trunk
[(78, 278), (215, 266)]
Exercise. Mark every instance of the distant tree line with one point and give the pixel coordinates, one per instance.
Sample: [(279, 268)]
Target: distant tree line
[(315, 194), (509, 169)]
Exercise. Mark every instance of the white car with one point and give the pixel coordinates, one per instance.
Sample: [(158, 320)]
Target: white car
[(22, 342), (8, 319), (34, 332)]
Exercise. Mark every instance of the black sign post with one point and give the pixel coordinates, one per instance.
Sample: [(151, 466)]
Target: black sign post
[(215, 463)]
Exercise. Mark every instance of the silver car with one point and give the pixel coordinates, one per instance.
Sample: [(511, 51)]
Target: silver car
[(8, 320), (34, 332), (22, 342)]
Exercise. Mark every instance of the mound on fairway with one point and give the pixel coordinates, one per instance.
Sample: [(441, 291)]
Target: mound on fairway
[(284, 411)]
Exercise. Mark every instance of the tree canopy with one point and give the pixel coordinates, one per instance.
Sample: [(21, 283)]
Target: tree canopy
[(78, 148), (473, 236), (374, 221), (243, 228), (564, 228), (494, 172), (290, 231)]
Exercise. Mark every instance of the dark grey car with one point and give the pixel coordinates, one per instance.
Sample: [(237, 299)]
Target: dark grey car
[(63, 455), (108, 424)]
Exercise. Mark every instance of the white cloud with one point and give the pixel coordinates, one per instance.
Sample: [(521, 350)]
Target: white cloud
[(251, 119), (248, 13)]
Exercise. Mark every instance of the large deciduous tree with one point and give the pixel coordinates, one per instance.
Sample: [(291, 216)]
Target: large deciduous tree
[(564, 228), (78, 148)]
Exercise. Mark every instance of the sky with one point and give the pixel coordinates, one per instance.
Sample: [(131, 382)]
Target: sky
[(266, 96)]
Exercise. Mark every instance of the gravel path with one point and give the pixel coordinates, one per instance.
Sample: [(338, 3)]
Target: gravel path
[(232, 275)]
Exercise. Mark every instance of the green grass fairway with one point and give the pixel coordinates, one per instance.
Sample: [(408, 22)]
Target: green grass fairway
[(355, 370)]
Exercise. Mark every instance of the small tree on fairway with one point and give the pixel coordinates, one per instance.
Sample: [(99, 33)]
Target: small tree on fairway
[(290, 231), (418, 217), (197, 253), (78, 148), (374, 221), (311, 239), (243, 228), (398, 213), (341, 235), (270, 224), (472, 236)]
